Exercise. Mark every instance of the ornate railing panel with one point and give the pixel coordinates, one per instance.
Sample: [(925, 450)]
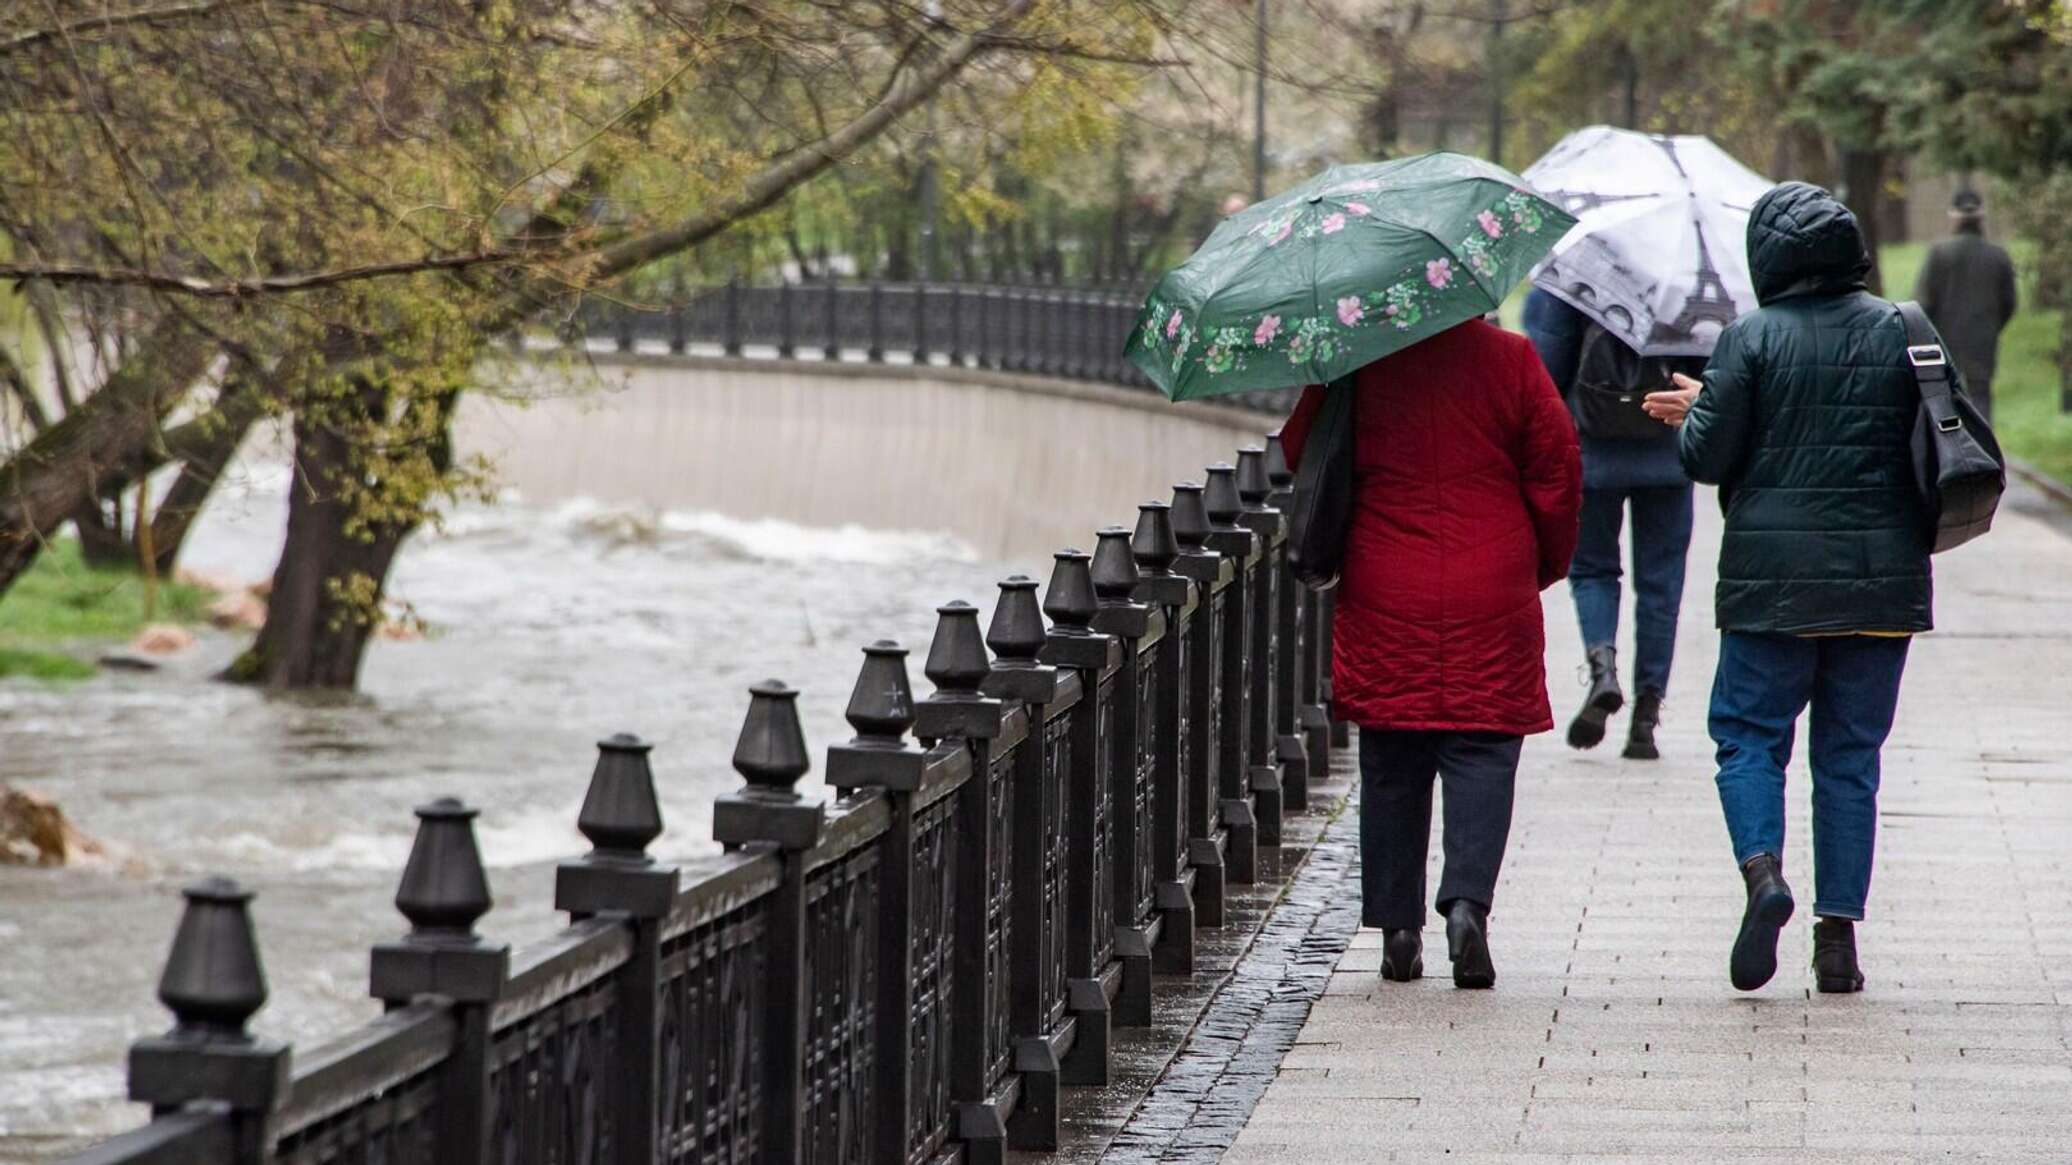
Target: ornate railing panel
[(841, 994), (713, 995), (934, 913)]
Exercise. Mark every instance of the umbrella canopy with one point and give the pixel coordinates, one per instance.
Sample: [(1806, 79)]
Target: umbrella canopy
[(1354, 264), (1658, 253)]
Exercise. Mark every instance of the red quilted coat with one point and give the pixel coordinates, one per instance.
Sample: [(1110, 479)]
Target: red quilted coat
[(1468, 485)]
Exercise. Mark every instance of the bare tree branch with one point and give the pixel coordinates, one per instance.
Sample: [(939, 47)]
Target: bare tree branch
[(165, 15)]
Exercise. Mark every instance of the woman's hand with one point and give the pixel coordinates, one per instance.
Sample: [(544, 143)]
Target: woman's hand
[(1671, 406)]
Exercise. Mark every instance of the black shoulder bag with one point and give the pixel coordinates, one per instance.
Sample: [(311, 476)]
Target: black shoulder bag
[(1958, 468), (1323, 505)]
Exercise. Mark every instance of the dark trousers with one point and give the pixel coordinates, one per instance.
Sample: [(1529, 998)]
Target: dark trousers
[(1661, 541), (1763, 684), (1396, 771)]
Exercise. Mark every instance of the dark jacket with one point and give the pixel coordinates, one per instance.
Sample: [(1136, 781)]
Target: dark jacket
[(1967, 287), (1804, 422), (1466, 488), (1557, 331)]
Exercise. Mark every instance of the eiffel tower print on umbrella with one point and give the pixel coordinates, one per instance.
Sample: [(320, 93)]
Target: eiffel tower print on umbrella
[(1657, 255)]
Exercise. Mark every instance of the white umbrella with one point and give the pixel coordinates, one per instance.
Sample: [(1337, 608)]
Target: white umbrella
[(1658, 254)]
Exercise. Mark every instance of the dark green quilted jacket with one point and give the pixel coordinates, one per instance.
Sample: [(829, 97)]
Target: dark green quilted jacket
[(1804, 424)]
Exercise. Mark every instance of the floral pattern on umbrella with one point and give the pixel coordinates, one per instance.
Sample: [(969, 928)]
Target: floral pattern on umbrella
[(1202, 345)]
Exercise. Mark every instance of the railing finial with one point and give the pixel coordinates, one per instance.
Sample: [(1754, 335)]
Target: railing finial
[(1220, 498), (620, 815), (213, 984), (1252, 483), (1190, 516), (213, 981), (1278, 474), (771, 756), (1070, 600)]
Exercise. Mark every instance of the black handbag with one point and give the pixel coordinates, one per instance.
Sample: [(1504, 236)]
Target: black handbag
[(1322, 511), (1958, 467)]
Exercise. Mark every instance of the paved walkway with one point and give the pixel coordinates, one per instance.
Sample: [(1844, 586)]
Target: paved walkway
[(1612, 1034)]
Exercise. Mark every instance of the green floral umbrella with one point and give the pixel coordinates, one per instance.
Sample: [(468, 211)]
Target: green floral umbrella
[(1354, 264)]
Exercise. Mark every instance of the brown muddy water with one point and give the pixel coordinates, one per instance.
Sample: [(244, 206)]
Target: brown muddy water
[(668, 533)]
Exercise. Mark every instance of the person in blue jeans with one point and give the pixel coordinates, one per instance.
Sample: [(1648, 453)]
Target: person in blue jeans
[(1803, 420), (1620, 474)]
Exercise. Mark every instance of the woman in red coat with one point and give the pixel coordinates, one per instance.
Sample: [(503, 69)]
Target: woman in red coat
[(1467, 483)]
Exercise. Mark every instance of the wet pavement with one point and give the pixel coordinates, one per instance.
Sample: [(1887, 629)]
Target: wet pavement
[(1613, 1035), (1182, 1088)]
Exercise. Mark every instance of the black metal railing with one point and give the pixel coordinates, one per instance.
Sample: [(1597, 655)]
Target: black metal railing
[(912, 973), (1074, 333)]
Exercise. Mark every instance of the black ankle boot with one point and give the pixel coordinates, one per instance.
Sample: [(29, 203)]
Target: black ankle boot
[(1640, 733), (1467, 940), (1605, 698), (1834, 957), (1402, 955), (1769, 908)]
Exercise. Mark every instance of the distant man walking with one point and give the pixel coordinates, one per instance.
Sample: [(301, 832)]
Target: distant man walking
[(1967, 287)]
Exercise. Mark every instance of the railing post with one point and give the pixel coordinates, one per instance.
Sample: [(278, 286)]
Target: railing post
[(911, 1031), (620, 817), (1071, 603), (444, 892), (1043, 347), (987, 352), (1095, 345), (1212, 575), (875, 349), (1155, 548), (959, 711), (956, 355), (1240, 547), (1267, 772), (832, 307), (787, 331), (768, 814), (679, 327), (1291, 744), (730, 340), (213, 984), (1042, 1033), (1140, 626), (921, 354)]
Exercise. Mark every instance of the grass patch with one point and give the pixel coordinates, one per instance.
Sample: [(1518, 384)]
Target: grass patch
[(2025, 381), (42, 665), (61, 602)]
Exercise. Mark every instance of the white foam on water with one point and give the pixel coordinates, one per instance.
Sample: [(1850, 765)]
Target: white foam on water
[(761, 539), (773, 539), (535, 835)]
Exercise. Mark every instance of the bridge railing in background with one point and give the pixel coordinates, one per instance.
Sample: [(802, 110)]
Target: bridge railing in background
[(912, 973), (1074, 333)]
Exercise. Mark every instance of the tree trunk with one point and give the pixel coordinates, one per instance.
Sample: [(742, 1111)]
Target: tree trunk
[(101, 540), (69, 465), (328, 586)]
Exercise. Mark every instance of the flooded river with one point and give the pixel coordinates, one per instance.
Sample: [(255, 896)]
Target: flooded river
[(667, 536)]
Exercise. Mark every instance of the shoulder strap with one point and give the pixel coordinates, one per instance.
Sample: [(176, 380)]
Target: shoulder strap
[(1926, 354)]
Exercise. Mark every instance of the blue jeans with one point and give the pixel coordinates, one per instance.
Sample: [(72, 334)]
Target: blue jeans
[(1764, 682), (1661, 540)]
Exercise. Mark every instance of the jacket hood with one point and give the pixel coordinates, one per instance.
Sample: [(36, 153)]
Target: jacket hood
[(1801, 241)]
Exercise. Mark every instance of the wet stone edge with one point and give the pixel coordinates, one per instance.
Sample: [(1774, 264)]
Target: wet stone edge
[(1199, 1105)]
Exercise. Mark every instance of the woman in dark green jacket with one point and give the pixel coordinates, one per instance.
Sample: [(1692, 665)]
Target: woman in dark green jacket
[(1803, 421)]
